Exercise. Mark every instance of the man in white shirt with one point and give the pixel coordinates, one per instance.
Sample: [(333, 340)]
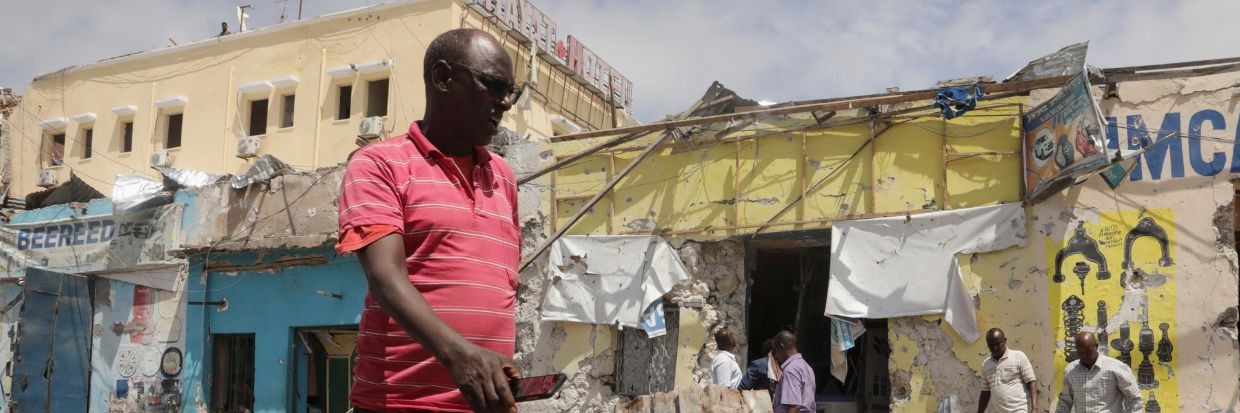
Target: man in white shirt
[(727, 372), (1007, 378)]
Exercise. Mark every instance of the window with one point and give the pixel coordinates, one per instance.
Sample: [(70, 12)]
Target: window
[(172, 135), (57, 151), (377, 97), (542, 35), (258, 117), (344, 102), (286, 111), (232, 373), (88, 140), (127, 137)]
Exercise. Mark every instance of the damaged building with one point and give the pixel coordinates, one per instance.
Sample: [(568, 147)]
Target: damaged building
[(886, 230)]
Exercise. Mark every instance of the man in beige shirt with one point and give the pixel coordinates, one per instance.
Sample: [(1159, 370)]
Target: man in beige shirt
[(1008, 377)]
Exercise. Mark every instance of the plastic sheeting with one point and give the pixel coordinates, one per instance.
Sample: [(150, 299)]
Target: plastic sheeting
[(955, 101), (133, 193), (263, 169), (906, 266), (183, 178), (610, 279)]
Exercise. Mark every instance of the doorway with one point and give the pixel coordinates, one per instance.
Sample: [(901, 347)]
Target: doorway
[(788, 291), (324, 375)]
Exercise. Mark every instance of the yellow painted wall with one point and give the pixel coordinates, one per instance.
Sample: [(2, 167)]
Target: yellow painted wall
[(711, 187), (209, 72)]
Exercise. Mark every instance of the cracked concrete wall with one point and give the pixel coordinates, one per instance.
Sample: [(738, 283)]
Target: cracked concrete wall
[(1186, 188), (294, 210), (713, 298)]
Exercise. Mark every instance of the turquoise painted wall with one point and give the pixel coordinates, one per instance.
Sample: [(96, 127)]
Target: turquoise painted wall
[(270, 304)]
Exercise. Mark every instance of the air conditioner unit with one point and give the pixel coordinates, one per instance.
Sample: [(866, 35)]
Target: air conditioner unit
[(47, 179), (370, 129), (247, 147), (161, 158)]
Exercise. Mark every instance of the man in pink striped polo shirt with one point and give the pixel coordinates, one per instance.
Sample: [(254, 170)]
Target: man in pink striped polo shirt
[(432, 216)]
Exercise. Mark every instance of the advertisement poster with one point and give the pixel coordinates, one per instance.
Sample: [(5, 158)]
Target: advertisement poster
[(1063, 140)]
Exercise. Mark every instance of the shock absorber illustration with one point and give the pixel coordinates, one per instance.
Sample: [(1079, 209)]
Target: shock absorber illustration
[(1073, 320), (1103, 344), (1145, 372)]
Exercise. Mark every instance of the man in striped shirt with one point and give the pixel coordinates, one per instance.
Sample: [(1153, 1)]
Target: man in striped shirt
[(431, 215)]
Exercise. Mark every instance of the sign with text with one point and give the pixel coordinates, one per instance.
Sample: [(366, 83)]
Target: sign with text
[(93, 243), (1063, 140)]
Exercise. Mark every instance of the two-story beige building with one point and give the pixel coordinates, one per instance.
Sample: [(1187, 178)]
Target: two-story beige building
[(301, 91)]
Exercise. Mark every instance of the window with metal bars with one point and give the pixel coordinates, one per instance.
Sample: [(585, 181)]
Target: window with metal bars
[(232, 373)]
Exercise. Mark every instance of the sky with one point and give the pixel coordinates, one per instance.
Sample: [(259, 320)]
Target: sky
[(673, 50)]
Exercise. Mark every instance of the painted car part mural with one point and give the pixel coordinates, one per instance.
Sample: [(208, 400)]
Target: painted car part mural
[(1133, 315)]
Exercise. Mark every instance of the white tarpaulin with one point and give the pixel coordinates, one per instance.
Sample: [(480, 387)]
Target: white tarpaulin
[(609, 279), (906, 266)]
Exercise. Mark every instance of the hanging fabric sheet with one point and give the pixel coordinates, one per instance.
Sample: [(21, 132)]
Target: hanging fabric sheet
[(906, 266), (611, 280), (844, 334)]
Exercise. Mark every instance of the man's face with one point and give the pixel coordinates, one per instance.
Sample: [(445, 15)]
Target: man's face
[(1087, 353), (484, 91), (780, 353), (997, 346)]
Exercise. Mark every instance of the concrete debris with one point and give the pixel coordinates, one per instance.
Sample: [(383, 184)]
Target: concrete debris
[(697, 399)]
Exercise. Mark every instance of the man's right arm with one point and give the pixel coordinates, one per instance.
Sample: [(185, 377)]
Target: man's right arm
[(983, 401), (482, 375), (1066, 398)]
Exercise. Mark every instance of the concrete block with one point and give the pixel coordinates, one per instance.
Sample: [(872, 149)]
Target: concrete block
[(664, 402), (690, 399), (639, 404), (716, 400), (733, 401), (758, 401)]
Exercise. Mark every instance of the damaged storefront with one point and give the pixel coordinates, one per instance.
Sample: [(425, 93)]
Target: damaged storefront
[(887, 233), (97, 308), (889, 237)]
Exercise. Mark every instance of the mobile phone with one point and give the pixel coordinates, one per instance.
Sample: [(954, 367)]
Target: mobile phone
[(537, 388)]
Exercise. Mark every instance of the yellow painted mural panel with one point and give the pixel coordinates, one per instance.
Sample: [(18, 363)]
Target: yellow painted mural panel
[(986, 129), (983, 180), (908, 159), (592, 223), (688, 188), (847, 181), (1117, 274), (770, 177), (582, 178)]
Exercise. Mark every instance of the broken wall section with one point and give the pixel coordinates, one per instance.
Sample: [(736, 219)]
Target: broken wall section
[(713, 298)]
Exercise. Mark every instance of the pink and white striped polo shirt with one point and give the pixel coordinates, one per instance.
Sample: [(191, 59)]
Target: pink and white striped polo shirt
[(462, 247)]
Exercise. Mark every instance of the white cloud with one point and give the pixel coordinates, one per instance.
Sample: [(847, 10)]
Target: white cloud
[(672, 50)]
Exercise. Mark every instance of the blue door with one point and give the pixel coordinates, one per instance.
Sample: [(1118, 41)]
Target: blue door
[(51, 365)]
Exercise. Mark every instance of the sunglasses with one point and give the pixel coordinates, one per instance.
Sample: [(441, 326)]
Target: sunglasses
[(497, 86)]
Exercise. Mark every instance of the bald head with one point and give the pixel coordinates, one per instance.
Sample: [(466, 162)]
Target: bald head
[(996, 342), (784, 346), (1086, 348), (469, 85), (459, 46)]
